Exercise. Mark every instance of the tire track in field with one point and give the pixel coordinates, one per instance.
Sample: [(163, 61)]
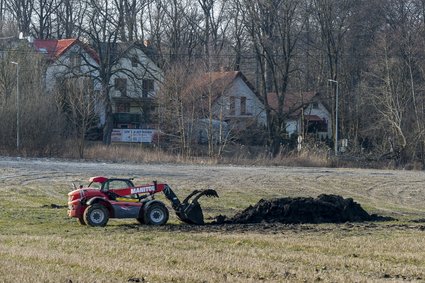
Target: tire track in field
[(380, 189)]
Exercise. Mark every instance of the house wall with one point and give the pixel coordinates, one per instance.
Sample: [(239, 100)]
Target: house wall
[(294, 126), (322, 112), (60, 68), (146, 69), (238, 89)]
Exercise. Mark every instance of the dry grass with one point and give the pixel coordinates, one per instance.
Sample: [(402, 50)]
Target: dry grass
[(137, 153), (241, 155), (116, 254), (46, 246)]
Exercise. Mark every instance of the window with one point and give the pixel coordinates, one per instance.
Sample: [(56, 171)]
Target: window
[(315, 105), (114, 184), (123, 107), (118, 184), (232, 106), (134, 61), (243, 106), (121, 86), (147, 87), (75, 60)]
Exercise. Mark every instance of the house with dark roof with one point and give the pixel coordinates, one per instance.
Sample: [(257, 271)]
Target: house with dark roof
[(234, 99), (236, 102), (306, 112)]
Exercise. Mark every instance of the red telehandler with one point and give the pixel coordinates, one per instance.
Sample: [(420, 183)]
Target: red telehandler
[(106, 198)]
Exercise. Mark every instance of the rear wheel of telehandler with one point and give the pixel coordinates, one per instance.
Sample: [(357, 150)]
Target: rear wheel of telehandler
[(156, 214), (96, 215)]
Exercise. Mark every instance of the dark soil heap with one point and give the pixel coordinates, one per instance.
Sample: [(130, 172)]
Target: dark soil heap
[(323, 209)]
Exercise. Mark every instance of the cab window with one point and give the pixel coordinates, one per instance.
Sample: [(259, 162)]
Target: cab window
[(118, 184), (115, 184)]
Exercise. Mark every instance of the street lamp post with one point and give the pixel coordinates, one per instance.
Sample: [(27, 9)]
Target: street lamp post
[(17, 105), (336, 117)]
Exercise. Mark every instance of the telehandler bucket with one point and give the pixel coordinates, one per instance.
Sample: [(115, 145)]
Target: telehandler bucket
[(189, 211)]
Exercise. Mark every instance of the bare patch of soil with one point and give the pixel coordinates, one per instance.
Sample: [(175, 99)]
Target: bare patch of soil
[(271, 228)]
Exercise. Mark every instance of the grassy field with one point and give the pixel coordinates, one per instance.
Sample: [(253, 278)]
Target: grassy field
[(39, 243)]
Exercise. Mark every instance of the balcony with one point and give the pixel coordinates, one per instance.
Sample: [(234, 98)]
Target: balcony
[(127, 120)]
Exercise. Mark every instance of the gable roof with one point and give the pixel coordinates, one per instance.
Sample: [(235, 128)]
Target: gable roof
[(219, 82), (117, 50), (214, 84), (55, 48), (294, 102)]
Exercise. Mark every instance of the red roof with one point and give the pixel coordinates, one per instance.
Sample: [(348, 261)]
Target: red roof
[(312, 118), (218, 82), (54, 48), (293, 102)]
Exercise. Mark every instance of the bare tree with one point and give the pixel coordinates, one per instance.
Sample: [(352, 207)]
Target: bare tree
[(77, 99), (44, 11), (40, 123), (70, 14), (7, 79), (238, 38), (178, 107), (275, 28), (22, 11), (396, 75), (102, 31)]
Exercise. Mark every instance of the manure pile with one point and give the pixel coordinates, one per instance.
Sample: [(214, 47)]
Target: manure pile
[(323, 209)]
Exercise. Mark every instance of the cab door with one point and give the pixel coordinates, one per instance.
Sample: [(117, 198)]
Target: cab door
[(124, 203)]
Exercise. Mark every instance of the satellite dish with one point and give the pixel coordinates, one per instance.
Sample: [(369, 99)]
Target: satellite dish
[(21, 35)]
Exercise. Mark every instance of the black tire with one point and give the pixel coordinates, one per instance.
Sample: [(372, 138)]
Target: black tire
[(156, 214), (96, 215), (81, 221), (141, 219)]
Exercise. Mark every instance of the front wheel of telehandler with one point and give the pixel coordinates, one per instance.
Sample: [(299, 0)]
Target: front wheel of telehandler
[(96, 215), (156, 214)]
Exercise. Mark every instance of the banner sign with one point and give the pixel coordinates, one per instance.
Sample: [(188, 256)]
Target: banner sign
[(133, 135)]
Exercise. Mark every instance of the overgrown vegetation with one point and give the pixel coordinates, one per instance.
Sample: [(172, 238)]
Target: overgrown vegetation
[(373, 51)]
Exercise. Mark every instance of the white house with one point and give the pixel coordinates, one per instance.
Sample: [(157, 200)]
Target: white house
[(235, 104), (67, 58), (134, 76), (234, 99), (307, 113), (135, 81)]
